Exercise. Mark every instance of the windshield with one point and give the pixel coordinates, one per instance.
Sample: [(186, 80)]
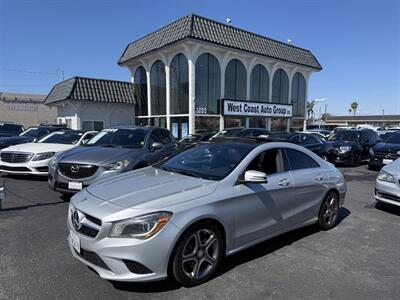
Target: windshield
[(62, 138), (208, 161), (113, 137), (393, 138), (345, 135), (32, 132)]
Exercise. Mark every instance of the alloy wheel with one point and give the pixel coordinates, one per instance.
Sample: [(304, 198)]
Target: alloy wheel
[(331, 210), (200, 254)]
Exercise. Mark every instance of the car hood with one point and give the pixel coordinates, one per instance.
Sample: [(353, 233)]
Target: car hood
[(39, 147), (151, 188), (393, 168), (14, 140), (387, 147), (97, 155), (338, 143)]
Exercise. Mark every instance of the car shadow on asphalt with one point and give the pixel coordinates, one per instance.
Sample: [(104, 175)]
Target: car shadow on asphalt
[(25, 177), (265, 248), (392, 209)]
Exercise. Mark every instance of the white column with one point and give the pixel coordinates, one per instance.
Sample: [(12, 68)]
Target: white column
[(271, 78), (289, 101), (148, 93), (305, 106), (168, 95), (191, 95), (221, 119)]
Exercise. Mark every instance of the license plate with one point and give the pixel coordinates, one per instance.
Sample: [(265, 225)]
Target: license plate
[(75, 241), (387, 161), (72, 185)]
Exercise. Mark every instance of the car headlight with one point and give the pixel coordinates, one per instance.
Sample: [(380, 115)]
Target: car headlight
[(371, 151), (142, 227), (118, 165), (54, 160), (345, 148), (43, 156), (385, 176)]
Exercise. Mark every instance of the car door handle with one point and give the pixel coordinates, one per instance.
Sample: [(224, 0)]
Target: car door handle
[(284, 182), (318, 178)]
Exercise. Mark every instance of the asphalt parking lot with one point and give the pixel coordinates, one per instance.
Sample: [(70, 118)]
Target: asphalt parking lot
[(359, 259)]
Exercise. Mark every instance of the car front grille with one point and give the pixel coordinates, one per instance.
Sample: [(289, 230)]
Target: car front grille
[(380, 154), (16, 157), (77, 171)]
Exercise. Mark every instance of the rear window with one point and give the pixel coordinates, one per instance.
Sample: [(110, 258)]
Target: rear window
[(11, 128), (299, 160)]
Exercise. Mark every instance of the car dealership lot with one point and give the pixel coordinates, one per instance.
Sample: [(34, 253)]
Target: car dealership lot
[(357, 259)]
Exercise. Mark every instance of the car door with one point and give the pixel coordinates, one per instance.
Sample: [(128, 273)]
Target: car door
[(258, 206), (308, 187)]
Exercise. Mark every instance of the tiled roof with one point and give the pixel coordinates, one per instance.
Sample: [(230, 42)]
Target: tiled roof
[(200, 28), (90, 89)]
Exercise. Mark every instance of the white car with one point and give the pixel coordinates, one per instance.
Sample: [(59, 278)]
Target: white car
[(387, 186), (34, 158)]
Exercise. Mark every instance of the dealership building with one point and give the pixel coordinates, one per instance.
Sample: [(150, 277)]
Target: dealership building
[(199, 74)]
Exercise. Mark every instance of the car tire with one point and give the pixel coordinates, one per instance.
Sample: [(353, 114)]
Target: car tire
[(328, 215), (355, 160), (198, 254)]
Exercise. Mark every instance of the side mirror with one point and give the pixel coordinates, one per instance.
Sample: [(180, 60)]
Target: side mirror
[(252, 176), (156, 146)]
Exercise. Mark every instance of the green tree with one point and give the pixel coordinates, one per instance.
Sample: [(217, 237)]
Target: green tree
[(354, 106), (310, 108)]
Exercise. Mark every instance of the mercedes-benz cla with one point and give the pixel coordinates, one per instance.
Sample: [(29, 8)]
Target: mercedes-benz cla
[(183, 215)]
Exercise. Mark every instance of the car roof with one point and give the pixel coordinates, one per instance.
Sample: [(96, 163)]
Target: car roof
[(132, 127)]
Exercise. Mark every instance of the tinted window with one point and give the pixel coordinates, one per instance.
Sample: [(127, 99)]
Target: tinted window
[(259, 84), (345, 135), (160, 136), (258, 132), (208, 161), (298, 160), (280, 87), (158, 85), (140, 81), (309, 140), (179, 85), (298, 96), (32, 132), (394, 138), (270, 162), (295, 139), (235, 80), (11, 128)]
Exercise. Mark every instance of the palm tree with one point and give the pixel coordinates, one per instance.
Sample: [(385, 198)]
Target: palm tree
[(350, 111), (310, 108), (354, 106)]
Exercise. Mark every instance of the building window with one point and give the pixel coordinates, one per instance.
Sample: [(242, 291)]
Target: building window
[(92, 125), (179, 84), (280, 87), (298, 96), (259, 84), (158, 91), (140, 81), (235, 80), (208, 84)]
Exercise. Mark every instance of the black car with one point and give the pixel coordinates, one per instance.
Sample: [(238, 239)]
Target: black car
[(10, 129), (242, 132), (351, 146), (29, 135), (192, 139), (385, 152), (307, 140)]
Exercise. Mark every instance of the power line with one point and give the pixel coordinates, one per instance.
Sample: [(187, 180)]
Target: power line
[(57, 72)]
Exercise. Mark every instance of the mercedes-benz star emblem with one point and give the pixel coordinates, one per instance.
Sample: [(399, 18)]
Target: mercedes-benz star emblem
[(74, 168), (76, 220)]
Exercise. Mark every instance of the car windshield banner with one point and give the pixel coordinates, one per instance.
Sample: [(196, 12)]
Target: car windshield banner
[(255, 109)]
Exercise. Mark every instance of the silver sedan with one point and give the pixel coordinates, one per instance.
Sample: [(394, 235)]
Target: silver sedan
[(183, 215), (387, 186)]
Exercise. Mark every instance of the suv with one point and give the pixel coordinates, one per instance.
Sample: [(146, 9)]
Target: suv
[(29, 135), (112, 151), (352, 146), (10, 129), (385, 152)]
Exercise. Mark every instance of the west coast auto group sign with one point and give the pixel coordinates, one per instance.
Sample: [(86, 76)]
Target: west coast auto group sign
[(255, 109)]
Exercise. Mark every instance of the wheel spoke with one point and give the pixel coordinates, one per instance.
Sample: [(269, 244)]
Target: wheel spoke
[(191, 247), (190, 267)]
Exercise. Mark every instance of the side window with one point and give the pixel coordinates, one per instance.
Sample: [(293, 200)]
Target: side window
[(257, 132), (247, 133), (295, 139), (299, 160), (270, 162), (309, 140), (364, 135), (161, 136)]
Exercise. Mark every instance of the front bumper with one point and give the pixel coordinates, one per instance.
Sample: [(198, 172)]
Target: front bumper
[(59, 182), (28, 168), (342, 157), (387, 192), (126, 259), (379, 162)]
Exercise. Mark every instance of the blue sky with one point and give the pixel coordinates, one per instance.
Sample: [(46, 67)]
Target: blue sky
[(356, 41)]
